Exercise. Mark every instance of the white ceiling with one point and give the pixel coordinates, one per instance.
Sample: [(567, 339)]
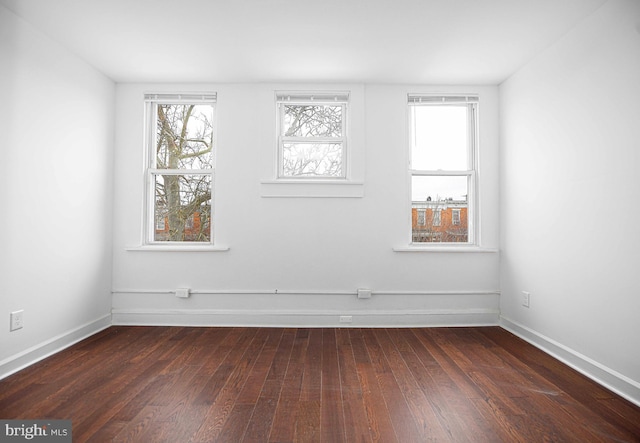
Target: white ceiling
[(399, 41)]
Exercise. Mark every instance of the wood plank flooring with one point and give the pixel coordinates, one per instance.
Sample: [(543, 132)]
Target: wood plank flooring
[(179, 384)]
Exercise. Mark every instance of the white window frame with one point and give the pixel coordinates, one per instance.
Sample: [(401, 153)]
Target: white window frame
[(284, 98), (151, 100), (472, 104)]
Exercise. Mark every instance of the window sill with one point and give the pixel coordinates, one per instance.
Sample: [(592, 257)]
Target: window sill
[(311, 189), (177, 248), (444, 248)]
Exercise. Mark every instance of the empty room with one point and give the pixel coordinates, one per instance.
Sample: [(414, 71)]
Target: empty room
[(342, 220)]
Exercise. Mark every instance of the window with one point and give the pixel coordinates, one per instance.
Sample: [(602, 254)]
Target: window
[(443, 167), (422, 217), (180, 167), (437, 217), (190, 223), (455, 216), (312, 135)]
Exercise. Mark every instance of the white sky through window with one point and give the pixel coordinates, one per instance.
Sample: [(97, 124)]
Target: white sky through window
[(440, 142)]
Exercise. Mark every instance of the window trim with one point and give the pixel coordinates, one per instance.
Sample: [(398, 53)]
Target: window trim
[(283, 98), (443, 99), (151, 100)]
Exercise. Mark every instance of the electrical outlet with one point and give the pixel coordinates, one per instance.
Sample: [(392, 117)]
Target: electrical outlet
[(16, 320), (525, 298), (346, 319)]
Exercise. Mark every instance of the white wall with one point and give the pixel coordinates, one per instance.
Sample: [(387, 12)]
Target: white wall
[(328, 246), (570, 150), (56, 122)]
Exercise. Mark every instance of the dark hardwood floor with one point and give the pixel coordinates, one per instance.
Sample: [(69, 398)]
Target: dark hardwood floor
[(175, 384)]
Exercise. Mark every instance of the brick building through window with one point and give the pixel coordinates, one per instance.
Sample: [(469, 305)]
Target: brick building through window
[(196, 227), (444, 221)]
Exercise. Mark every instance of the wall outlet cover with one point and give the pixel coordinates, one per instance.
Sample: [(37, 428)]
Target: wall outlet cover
[(16, 320)]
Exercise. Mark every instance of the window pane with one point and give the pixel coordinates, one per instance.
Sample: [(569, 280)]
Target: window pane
[(443, 201), (312, 159), (312, 121), (182, 207), (184, 136), (440, 138)]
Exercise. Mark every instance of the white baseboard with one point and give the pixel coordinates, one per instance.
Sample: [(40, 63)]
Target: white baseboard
[(52, 346), (607, 377), (388, 318)]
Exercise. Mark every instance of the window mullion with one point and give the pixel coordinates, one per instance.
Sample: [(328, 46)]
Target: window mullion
[(318, 140), (154, 171), (441, 173)]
